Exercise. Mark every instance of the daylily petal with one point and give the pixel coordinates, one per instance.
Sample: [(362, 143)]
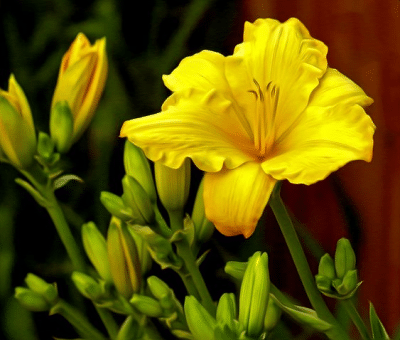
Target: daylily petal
[(203, 71), (334, 87), (323, 140), (204, 128), (273, 72), (234, 200)]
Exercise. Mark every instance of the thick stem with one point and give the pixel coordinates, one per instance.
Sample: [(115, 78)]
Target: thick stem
[(78, 320), (300, 261), (190, 274), (64, 232), (356, 318), (108, 321)]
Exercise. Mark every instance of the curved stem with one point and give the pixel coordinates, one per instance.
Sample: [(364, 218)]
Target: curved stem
[(300, 261), (108, 322), (356, 318), (64, 232), (192, 279), (77, 319)]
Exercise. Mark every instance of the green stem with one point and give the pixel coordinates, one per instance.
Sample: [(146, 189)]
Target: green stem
[(190, 275), (301, 264), (57, 216), (356, 318), (108, 321), (64, 232), (84, 328)]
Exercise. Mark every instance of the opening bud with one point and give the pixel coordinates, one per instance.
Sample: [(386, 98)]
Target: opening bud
[(61, 126)]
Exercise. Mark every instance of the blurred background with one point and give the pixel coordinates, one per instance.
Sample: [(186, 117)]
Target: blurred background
[(361, 201)]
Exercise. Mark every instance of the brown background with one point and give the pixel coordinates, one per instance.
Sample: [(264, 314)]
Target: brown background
[(363, 38)]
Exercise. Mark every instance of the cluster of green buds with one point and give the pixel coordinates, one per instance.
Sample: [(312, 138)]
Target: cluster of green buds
[(39, 296), (162, 304), (338, 278), (256, 316)]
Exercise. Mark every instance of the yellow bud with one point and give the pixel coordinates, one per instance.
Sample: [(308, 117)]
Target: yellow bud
[(173, 185), (123, 258), (17, 131), (81, 80)]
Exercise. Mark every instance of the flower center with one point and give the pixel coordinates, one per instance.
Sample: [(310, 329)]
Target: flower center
[(267, 99)]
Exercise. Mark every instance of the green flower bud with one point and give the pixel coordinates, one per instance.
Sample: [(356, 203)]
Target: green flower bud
[(345, 258), (47, 290), (61, 126), (87, 286), (254, 294), (203, 227), (200, 322), (45, 146), (272, 315), (123, 259), (326, 267), (348, 284), (136, 198), (31, 300), (173, 185), (147, 305), (226, 310), (236, 269), (96, 249), (143, 252), (137, 166), (164, 294), (116, 206)]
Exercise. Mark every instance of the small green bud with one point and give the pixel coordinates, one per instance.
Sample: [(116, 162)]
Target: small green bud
[(31, 300), (326, 267), (272, 315), (158, 287), (147, 305), (61, 126), (226, 310), (136, 198), (123, 259), (345, 258), (203, 227), (40, 286), (173, 185), (236, 269), (87, 286), (116, 206), (254, 294), (200, 322), (45, 146), (348, 284), (137, 166), (96, 249)]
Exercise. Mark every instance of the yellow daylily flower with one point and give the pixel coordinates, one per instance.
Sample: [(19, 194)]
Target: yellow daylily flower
[(81, 81), (271, 111), (17, 131)]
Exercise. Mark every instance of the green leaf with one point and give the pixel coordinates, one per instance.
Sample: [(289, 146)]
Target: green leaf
[(305, 316), (378, 330), (63, 180)]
